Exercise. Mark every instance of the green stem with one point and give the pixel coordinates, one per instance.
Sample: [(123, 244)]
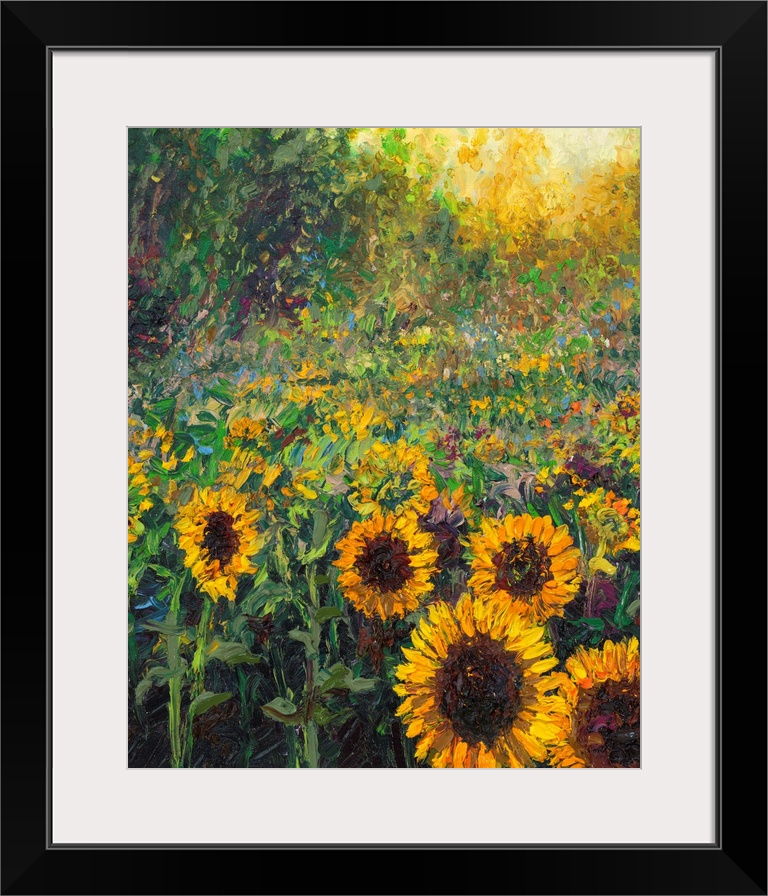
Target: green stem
[(311, 750), (294, 748), (133, 653), (198, 671), (174, 683), (621, 620), (246, 725), (133, 670), (313, 595), (278, 673)]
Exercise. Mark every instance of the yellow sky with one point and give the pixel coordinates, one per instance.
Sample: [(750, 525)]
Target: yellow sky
[(469, 157)]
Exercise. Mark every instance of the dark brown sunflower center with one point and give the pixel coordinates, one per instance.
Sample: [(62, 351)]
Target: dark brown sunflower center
[(219, 537), (607, 724), (384, 563), (479, 689), (522, 567)]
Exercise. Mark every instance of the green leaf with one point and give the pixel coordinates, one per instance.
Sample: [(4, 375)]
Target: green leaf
[(152, 541), (478, 481), (335, 677), (221, 394), (136, 571), (317, 552), (289, 418), (321, 715), (555, 511), (164, 407), (289, 153), (580, 343), (306, 639), (282, 710), (205, 701), (232, 653), (280, 704), (153, 538), (439, 481), (326, 613), (531, 509), (338, 677), (324, 716), (319, 527), (361, 684), (591, 622), (621, 617), (155, 675), (163, 628), (368, 323)]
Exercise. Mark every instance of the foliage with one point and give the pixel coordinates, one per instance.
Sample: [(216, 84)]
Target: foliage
[(301, 300)]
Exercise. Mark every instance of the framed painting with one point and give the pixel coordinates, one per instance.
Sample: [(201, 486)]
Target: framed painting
[(383, 362)]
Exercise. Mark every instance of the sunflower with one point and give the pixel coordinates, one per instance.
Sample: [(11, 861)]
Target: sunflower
[(217, 535), (305, 482), (138, 477), (602, 690), (610, 523), (526, 558), (625, 408), (475, 691), (489, 448), (246, 432), (388, 564), (242, 464), (245, 440), (354, 419), (135, 528), (392, 476)]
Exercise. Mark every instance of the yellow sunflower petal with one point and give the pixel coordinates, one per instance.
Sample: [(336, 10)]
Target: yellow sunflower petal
[(454, 667)]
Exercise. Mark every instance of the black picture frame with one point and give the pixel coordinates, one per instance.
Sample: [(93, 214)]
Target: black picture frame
[(736, 862)]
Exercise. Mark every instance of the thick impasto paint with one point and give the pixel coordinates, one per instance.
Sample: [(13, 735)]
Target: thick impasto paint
[(384, 448)]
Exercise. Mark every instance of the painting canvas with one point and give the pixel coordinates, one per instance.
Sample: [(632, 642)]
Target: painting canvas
[(383, 447)]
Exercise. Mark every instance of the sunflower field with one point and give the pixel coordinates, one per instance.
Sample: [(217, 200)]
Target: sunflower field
[(384, 448)]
